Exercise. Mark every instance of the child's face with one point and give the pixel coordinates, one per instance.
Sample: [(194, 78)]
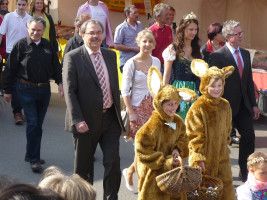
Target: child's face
[(261, 172), (215, 90), (170, 107)]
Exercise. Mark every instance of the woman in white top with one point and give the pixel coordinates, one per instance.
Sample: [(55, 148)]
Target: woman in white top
[(139, 105)]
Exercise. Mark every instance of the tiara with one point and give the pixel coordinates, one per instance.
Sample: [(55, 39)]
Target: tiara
[(190, 16), (256, 160)]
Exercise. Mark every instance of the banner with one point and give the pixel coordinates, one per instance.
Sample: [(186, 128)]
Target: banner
[(143, 6)]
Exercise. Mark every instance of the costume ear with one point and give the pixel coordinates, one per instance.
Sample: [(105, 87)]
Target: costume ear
[(199, 67), (154, 80), (186, 94), (228, 71)]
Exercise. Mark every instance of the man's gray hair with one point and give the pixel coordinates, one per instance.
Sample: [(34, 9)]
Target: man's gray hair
[(128, 8), (79, 20), (90, 21), (228, 27), (36, 19), (159, 8)]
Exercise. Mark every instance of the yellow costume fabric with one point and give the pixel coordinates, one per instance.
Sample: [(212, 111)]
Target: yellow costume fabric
[(154, 144), (208, 126)]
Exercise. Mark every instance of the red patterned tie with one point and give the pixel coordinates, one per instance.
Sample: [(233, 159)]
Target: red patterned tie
[(239, 63), (101, 78)]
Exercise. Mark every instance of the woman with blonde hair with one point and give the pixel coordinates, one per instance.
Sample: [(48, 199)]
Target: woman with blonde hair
[(69, 187), (137, 97), (37, 8)]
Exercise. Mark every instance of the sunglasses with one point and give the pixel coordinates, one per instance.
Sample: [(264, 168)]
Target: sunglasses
[(4, 4)]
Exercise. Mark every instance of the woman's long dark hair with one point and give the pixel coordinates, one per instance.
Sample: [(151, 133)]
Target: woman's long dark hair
[(179, 38)]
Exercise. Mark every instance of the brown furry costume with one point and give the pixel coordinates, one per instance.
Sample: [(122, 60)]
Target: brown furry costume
[(155, 142), (208, 125)]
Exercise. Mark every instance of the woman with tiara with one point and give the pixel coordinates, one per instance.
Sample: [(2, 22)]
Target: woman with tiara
[(178, 56)]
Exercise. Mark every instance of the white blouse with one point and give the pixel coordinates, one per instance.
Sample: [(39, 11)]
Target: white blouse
[(140, 89), (169, 53), (243, 192)]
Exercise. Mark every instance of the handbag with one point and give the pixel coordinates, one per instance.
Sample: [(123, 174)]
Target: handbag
[(124, 112), (179, 180)]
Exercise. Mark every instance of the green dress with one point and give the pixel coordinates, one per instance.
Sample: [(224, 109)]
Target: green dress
[(182, 77)]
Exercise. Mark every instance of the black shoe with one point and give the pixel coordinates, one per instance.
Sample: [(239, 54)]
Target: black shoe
[(235, 140), (36, 167), (42, 161), (241, 177)]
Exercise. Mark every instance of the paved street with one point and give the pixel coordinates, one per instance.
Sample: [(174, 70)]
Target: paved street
[(57, 148)]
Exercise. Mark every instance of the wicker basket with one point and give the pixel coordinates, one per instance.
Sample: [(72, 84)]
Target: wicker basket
[(180, 179), (210, 189)]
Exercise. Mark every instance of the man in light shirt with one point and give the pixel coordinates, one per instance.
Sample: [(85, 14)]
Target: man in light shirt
[(15, 27), (98, 10), (126, 33)]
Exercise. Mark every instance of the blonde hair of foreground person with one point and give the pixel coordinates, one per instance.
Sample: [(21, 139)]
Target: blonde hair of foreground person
[(69, 187)]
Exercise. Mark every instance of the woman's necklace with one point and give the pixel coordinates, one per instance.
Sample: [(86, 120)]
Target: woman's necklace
[(145, 64)]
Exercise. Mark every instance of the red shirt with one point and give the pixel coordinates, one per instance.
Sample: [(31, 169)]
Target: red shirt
[(3, 43), (163, 37)]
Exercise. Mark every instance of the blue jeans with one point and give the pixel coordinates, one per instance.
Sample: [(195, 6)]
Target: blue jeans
[(34, 101), (15, 103)]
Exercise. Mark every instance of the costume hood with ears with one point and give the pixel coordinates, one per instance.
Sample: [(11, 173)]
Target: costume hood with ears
[(201, 69), (167, 92)]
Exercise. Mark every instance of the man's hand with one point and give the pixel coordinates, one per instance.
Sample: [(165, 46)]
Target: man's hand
[(60, 90), (8, 97), (81, 127), (256, 113)]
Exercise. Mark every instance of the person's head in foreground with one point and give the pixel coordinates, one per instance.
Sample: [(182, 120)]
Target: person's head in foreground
[(69, 187)]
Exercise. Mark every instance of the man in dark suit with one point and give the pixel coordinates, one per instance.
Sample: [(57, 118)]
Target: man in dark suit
[(239, 89), (90, 81)]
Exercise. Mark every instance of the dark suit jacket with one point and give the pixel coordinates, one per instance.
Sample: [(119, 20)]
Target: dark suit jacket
[(73, 43), (236, 89), (205, 53), (83, 93)]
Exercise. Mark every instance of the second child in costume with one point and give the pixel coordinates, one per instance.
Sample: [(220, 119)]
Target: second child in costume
[(162, 139), (208, 126)]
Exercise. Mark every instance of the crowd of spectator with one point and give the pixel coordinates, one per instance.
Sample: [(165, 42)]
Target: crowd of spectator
[(88, 79)]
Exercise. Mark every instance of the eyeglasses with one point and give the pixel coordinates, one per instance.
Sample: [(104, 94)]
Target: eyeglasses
[(94, 33), (2, 4), (237, 34)]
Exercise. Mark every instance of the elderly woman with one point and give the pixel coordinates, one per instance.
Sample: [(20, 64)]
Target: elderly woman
[(37, 8), (139, 105), (215, 40)]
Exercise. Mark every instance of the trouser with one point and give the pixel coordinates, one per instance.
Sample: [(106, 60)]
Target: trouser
[(233, 132), (85, 146), (243, 122), (15, 103), (35, 101), (121, 68)]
